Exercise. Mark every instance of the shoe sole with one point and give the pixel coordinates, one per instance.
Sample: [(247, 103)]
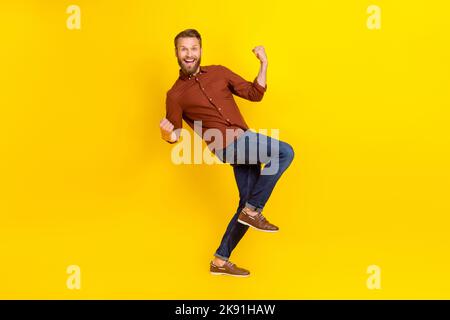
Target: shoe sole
[(229, 274), (248, 224)]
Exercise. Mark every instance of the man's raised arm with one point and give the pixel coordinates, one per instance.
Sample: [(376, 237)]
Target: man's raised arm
[(253, 91)]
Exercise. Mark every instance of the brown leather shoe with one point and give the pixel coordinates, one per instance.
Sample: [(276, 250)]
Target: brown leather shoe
[(229, 269), (258, 222)]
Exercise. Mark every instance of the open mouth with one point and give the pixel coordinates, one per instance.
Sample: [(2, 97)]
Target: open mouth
[(189, 62)]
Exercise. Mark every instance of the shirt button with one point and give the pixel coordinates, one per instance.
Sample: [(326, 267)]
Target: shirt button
[(210, 99), (228, 119), (220, 108)]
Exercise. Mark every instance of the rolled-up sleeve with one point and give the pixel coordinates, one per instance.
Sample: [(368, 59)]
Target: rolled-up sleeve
[(174, 113), (252, 91)]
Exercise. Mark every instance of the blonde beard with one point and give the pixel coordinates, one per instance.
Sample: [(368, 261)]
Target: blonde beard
[(197, 64)]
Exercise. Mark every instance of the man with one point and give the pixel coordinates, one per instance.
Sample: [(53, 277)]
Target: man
[(205, 93)]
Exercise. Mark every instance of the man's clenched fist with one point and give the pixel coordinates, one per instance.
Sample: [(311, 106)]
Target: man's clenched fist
[(167, 132), (260, 53)]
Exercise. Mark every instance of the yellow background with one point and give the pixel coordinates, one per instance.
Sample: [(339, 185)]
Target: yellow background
[(86, 179)]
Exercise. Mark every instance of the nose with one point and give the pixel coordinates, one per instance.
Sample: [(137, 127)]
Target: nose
[(189, 54)]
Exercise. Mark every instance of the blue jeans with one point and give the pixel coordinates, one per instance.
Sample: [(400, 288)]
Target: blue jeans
[(247, 155)]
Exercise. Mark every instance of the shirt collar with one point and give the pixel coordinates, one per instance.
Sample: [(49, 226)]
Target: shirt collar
[(183, 76)]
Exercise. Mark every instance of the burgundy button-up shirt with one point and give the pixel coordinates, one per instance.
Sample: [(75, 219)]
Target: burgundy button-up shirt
[(208, 96)]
